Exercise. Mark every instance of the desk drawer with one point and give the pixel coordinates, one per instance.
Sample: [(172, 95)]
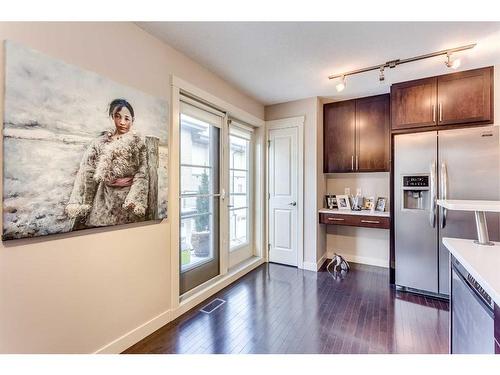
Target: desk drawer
[(355, 220)]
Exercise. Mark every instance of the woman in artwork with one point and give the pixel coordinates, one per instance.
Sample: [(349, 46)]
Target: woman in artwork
[(111, 186)]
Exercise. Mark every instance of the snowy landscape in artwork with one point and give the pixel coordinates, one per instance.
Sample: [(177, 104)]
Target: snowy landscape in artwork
[(79, 150)]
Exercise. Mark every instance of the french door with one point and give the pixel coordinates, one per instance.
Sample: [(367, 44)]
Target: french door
[(215, 158), (241, 186), (200, 194)]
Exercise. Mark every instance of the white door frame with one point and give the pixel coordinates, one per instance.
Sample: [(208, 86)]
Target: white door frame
[(289, 122)]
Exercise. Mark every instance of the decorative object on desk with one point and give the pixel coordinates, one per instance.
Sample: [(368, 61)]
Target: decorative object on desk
[(343, 202), (368, 203), (72, 154), (339, 266), (331, 201), (380, 204), (356, 203)]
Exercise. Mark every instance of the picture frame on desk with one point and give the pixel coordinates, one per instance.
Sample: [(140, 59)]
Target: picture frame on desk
[(343, 202), (331, 201), (368, 203), (381, 201)]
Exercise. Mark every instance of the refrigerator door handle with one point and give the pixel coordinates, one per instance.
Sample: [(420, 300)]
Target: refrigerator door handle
[(432, 214), (444, 193)]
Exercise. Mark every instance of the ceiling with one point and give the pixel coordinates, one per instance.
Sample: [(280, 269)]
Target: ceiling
[(276, 62)]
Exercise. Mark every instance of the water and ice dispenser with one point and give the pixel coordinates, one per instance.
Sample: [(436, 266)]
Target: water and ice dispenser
[(415, 192)]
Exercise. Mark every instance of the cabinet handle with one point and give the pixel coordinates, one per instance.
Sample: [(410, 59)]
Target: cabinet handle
[(433, 113), (357, 165), (440, 112), (371, 221), (335, 219), (352, 162)]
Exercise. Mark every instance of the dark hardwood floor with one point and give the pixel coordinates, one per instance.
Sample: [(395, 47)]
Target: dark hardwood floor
[(280, 309)]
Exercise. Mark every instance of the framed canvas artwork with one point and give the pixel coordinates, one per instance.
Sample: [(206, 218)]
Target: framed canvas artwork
[(79, 150)]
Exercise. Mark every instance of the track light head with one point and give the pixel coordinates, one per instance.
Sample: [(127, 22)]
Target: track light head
[(381, 76), (453, 64), (341, 86)]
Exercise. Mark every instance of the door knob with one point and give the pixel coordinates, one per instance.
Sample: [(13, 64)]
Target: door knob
[(292, 203)]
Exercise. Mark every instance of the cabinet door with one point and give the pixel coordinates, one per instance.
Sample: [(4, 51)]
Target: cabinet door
[(413, 103), (372, 134), (465, 97), (338, 137)]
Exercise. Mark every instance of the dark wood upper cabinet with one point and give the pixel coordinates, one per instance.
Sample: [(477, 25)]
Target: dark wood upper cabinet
[(357, 135), (339, 132), (465, 97), (413, 103), (373, 133), (451, 99)]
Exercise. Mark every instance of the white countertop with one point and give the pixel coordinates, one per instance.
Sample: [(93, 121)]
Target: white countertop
[(349, 212), (482, 262), (469, 205)]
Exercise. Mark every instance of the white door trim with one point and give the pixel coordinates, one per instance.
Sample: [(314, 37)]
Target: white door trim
[(290, 122)]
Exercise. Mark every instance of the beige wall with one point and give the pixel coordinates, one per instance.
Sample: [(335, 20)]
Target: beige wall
[(78, 292), (308, 108)]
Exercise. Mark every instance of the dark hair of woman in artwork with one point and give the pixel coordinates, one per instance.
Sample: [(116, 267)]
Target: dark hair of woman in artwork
[(117, 104)]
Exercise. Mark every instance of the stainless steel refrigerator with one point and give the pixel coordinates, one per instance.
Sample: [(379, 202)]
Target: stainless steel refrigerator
[(447, 164)]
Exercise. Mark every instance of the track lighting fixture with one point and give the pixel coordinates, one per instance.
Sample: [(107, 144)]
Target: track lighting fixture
[(454, 64), (341, 85), (381, 76)]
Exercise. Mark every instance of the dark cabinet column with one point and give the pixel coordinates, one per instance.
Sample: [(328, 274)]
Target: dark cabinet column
[(465, 97), (339, 133), (413, 103), (373, 133)]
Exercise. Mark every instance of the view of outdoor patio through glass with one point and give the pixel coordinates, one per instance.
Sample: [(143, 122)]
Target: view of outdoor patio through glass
[(239, 189), (199, 188)]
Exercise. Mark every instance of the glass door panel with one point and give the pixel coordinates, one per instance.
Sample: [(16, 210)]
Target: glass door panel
[(240, 187), (199, 197)]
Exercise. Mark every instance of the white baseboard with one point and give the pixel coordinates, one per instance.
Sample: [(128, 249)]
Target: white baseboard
[(137, 334), (363, 260), (311, 266)]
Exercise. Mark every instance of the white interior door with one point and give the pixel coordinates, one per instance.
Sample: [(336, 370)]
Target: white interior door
[(283, 195)]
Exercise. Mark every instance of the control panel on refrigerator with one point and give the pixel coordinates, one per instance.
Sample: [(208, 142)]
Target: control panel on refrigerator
[(415, 191), (416, 181)]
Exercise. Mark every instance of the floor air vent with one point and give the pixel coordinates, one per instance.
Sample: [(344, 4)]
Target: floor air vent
[(215, 304)]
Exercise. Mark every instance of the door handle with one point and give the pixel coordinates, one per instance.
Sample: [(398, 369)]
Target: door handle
[(444, 192), (292, 203), (432, 213)]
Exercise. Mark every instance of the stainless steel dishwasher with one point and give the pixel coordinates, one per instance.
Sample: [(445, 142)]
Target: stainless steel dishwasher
[(472, 317)]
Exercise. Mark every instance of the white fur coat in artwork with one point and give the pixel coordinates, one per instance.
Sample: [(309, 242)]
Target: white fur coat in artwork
[(106, 160)]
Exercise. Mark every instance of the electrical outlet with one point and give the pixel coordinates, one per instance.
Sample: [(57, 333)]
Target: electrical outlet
[(358, 191), (347, 191)]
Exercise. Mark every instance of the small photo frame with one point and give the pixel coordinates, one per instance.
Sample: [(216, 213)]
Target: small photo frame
[(331, 202), (380, 204), (368, 203), (343, 202)]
